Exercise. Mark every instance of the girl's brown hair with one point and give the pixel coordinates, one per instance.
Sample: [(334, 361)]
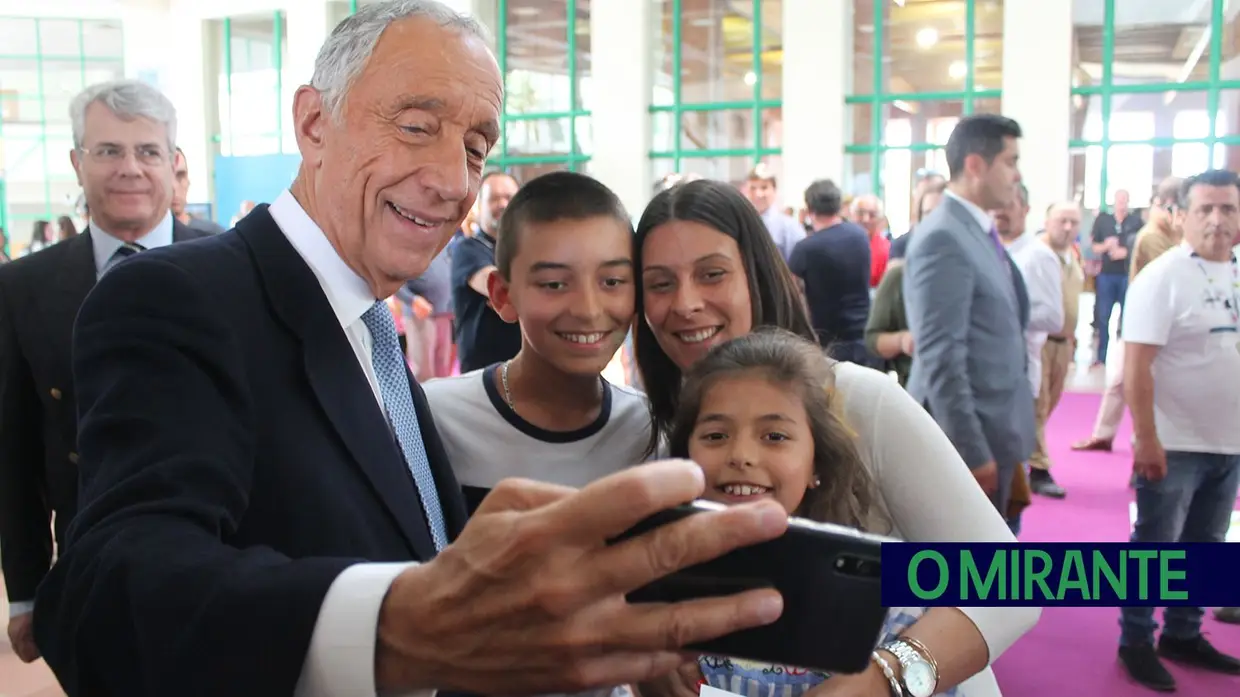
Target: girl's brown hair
[(845, 492)]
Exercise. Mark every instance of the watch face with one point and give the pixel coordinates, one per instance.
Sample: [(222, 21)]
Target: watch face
[(919, 679)]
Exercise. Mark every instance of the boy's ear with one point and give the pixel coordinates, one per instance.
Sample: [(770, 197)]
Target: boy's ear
[(497, 291)]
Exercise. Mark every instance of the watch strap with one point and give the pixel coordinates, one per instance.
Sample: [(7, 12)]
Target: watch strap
[(921, 649), (908, 654)]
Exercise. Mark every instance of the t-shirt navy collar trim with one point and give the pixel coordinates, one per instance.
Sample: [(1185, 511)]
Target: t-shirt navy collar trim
[(537, 432)]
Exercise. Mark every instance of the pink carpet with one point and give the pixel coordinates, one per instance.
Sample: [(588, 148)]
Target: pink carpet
[(1072, 650)]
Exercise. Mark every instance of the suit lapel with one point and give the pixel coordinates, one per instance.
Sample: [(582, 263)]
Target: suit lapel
[(337, 380), (181, 233), (985, 245), (75, 278)]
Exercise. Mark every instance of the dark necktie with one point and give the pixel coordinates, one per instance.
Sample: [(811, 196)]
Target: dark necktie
[(122, 253), (1003, 259)]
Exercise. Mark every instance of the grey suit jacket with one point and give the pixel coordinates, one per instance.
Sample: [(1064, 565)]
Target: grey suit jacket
[(968, 320)]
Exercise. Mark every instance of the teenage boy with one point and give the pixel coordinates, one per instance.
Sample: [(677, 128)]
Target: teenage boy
[(564, 273)]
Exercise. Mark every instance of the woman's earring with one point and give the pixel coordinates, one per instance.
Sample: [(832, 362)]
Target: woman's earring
[(815, 483)]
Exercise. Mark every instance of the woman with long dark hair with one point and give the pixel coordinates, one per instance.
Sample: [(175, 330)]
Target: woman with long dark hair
[(709, 273), (65, 228), (38, 237)]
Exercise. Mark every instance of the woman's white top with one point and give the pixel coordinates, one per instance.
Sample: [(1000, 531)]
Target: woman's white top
[(926, 493)]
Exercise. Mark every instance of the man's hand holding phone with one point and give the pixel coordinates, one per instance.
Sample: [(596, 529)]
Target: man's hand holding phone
[(531, 597)]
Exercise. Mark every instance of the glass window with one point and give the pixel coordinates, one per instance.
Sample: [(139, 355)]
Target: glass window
[(911, 145), (1154, 42), (923, 46), (45, 63), (101, 39), (546, 63), (918, 68), (717, 84), (1154, 89), (728, 169), (19, 36), (60, 37), (253, 106)]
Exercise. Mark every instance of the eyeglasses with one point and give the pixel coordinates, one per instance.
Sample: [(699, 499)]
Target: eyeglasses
[(112, 154)]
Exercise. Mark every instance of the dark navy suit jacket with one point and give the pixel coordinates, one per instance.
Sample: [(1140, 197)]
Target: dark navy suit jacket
[(234, 461)]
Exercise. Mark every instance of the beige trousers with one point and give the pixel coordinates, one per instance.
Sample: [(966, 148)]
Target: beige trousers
[(1056, 362)]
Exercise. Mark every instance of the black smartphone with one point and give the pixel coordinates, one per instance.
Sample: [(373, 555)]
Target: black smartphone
[(828, 576)]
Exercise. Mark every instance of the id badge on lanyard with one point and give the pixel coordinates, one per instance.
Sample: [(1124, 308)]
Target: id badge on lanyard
[(1229, 334)]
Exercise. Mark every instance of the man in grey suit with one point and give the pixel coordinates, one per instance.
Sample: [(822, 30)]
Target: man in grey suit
[(968, 308)]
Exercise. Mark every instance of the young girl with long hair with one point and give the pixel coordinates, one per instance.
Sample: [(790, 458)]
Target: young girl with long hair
[(758, 414)]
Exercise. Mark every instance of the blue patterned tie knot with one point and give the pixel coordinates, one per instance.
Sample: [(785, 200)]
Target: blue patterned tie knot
[(390, 369)]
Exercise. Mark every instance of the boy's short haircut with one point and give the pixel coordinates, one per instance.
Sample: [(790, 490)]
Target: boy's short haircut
[(550, 198)]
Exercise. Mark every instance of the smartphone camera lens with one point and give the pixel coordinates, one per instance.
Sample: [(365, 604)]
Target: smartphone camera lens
[(853, 566)]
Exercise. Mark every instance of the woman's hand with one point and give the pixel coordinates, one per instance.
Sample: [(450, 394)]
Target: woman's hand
[(682, 682), (906, 343), (868, 683)]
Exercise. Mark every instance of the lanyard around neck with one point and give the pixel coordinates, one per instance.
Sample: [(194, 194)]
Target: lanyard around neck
[(1234, 309)]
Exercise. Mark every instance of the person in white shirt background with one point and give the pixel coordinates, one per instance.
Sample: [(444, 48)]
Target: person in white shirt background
[(1043, 274), (1181, 367)]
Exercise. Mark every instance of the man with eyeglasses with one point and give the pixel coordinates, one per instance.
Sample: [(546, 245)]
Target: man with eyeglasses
[(124, 137)]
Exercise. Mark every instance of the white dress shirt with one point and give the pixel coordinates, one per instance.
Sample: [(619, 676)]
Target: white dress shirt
[(341, 657), (1042, 270), (982, 217), (1019, 243), (104, 244)]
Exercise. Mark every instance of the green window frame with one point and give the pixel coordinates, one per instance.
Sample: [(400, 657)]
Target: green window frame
[(1106, 89), (880, 98), (227, 113), (38, 144), (756, 104), (501, 158)]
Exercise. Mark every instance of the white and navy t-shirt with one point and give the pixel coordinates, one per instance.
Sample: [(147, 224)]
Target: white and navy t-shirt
[(487, 441), (1189, 307)]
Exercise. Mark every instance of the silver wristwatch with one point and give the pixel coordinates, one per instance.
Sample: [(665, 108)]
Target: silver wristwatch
[(919, 673)]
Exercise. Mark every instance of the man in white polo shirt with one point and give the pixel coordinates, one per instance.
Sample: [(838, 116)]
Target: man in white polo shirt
[(1181, 370)]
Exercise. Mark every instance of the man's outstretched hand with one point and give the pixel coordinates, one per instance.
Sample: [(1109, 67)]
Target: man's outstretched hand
[(530, 598)]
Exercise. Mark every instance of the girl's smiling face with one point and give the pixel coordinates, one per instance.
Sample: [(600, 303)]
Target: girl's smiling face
[(752, 439)]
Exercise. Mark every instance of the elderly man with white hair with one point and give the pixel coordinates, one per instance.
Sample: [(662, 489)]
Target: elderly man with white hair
[(867, 211), (124, 138)]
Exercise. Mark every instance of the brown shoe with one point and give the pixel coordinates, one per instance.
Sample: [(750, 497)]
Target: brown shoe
[(1098, 444)]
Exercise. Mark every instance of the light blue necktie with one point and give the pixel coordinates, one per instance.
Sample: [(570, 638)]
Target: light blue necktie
[(393, 378)]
